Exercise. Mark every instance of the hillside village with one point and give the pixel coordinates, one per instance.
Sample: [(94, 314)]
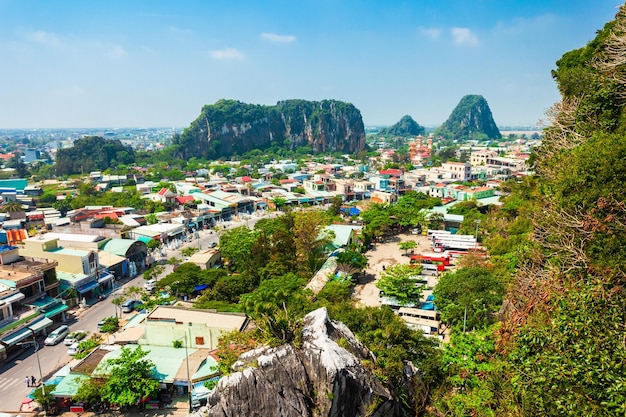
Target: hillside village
[(52, 262)]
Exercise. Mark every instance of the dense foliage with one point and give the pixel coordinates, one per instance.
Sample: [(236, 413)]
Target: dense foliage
[(405, 127), (92, 153), (231, 127), (559, 349), (470, 119)]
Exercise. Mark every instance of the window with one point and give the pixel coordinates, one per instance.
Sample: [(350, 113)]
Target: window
[(199, 340)]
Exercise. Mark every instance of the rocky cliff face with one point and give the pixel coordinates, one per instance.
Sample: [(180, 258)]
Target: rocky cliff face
[(325, 377), (470, 119), (228, 127)]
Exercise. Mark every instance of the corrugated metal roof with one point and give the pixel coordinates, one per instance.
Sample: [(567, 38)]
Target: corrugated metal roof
[(118, 246), (167, 360)]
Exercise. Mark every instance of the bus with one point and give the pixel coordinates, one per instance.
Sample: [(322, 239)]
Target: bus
[(442, 259)]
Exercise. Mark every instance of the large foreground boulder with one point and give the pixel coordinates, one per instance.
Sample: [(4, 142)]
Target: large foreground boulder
[(325, 377)]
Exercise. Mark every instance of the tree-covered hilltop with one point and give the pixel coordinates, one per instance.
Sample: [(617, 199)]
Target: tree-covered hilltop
[(92, 153), (470, 119), (231, 127), (559, 349), (405, 127)]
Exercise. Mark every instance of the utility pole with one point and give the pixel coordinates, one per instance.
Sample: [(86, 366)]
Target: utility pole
[(43, 386)]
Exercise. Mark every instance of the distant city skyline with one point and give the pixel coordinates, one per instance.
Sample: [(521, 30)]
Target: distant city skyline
[(116, 64)]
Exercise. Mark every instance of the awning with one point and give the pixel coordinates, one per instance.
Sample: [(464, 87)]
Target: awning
[(144, 239), (40, 324), (16, 337), (200, 287), (87, 287), (104, 277), (12, 298), (53, 311)]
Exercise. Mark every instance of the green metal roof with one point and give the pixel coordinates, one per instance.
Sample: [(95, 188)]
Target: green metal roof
[(167, 360), (207, 369), (69, 385), (70, 277), (120, 246), (58, 309), (144, 239), (18, 184)]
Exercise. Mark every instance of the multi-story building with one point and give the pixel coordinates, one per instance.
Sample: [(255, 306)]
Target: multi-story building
[(461, 171)]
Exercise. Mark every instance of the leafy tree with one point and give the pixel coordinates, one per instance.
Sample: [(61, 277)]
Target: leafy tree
[(111, 324), (410, 208), (407, 245), (21, 170), (153, 272), (470, 296), (435, 221), (151, 218), (398, 281), (185, 278), (236, 245), (279, 202), (309, 239), (377, 219), (335, 205), (45, 398), (350, 262), (278, 306), (130, 377), (477, 380)]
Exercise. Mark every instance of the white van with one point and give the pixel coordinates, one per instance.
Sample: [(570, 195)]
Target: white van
[(57, 336), (150, 285)]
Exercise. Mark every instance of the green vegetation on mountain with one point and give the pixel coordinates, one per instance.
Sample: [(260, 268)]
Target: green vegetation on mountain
[(405, 127), (230, 127), (471, 119), (92, 153)]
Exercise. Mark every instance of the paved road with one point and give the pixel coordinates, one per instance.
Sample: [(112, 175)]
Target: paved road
[(12, 374)]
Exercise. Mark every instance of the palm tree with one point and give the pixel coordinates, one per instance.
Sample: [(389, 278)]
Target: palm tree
[(14, 208)]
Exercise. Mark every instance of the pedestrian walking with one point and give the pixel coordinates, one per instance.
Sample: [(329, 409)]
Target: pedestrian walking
[(33, 381), (27, 382)]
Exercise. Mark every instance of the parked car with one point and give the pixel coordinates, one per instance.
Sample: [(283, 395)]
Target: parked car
[(150, 285), (129, 305), (74, 349), (212, 244), (57, 336), (75, 336)]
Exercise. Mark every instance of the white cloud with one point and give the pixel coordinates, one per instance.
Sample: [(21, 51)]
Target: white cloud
[(431, 33), (464, 37), (116, 52), (44, 38), (273, 37), (227, 54)]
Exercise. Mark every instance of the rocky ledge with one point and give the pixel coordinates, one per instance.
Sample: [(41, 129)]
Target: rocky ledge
[(324, 377)]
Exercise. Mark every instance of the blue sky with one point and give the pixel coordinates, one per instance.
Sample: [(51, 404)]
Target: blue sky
[(156, 63)]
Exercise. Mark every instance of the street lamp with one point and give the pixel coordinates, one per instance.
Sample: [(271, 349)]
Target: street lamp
[(188, 377), (43, 389)]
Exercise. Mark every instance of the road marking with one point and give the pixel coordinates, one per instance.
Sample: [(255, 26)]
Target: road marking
[(8, 382)]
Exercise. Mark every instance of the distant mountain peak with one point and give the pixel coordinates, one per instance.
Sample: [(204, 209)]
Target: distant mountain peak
[(469, 119), (405, 127)]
